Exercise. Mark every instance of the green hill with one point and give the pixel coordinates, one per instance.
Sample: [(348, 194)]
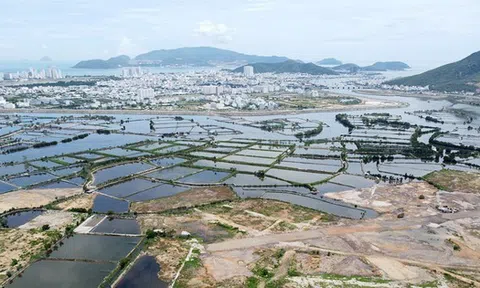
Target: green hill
[(203, 56), (289, 66), (386, 66), (114, 62), (191, 56), (462, 75), (329, 61)]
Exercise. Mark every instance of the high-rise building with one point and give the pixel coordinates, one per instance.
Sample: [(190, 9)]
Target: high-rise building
[(145, 93), (248, 71)]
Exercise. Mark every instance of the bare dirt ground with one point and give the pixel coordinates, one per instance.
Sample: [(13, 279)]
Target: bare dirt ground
[(14, 243), (169, 254), (220, 265), (34, 198), (84, 201), (405, 251), (188, 198), (55, 219), (21, 245), (455, 181), (392, 200)]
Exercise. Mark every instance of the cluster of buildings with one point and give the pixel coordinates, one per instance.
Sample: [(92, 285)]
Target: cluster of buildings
[(217, 89), (129, 72), (49, 73)]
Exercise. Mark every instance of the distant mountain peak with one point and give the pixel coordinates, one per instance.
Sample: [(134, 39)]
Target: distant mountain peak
[(329, 61), (46, 59), (387, 66), (114, 62)]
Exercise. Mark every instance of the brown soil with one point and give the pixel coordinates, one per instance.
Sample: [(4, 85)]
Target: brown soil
[(190, 198), (458, 181), (311, 264), (271, 210), (169, 253), (193, 223), (391, 200), (224, 265), (84, 201), (19, 244), (34, 198)]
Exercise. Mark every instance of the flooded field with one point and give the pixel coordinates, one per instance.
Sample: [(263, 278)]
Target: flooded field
[(19, 218), (48, 273), (140, 163), (144, 273)]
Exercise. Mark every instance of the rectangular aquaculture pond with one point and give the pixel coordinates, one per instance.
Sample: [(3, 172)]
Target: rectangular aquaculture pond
[(129, 187), (107, 174), (95, 247), (49, 273)]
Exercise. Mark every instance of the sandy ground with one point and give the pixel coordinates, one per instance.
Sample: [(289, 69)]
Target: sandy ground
[(392, 200), (398, 271), (84, 201), (188, 198), (169, 253), (224, 265), (55, 219), (402, 250), (17, 242), (34, 198)]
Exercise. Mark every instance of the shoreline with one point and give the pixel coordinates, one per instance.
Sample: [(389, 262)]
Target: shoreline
[(386, 105)]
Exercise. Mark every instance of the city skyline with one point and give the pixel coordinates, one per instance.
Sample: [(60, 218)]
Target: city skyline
[(428, 33)]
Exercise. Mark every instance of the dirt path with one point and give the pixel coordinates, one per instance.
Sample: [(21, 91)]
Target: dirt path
[(397, 267), (261, 240)]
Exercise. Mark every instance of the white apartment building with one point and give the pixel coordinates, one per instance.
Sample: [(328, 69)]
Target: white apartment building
[(146, 93), (248, 71)]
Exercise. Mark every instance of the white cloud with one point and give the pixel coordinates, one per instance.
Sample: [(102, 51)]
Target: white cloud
[(44, 46), (127, 47), (259, 5), (219, 32)]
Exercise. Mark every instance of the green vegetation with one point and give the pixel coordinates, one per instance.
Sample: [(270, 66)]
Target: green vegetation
[(262, 272), (457, 76), (252, 282), (343, 119), (113, 62), (385, 66), (331, 276), (288, 66), (329, 61), (78, 137), (310, 133), (44, 144)]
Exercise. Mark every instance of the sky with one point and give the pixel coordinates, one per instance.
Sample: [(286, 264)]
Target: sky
[(418, 32)]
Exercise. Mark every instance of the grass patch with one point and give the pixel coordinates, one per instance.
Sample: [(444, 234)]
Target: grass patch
[(252, 282), (331, 276), (452, 180)]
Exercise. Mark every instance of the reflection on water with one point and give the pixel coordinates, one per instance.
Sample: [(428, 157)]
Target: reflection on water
[(143, 274)]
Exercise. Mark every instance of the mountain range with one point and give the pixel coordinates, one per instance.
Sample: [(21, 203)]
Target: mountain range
[(376, 67), (289, 66), (114, 62), (463, 75), (189, 56)]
